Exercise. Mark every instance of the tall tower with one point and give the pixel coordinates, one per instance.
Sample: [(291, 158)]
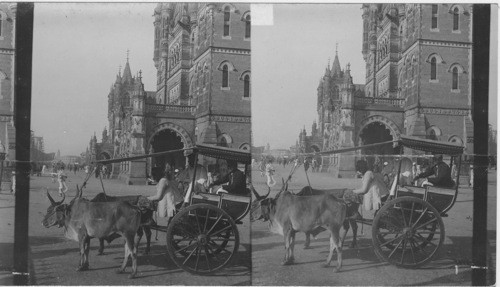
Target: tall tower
[(420, 55)]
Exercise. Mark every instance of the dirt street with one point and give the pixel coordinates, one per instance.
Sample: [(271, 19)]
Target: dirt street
[(361, 266), (55, 258)]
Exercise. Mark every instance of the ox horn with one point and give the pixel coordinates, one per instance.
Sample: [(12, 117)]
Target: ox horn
[(52, 201), (257, 196)]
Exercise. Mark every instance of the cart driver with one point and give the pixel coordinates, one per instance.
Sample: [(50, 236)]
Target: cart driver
[(438, 175), (235, 179), (167, 193)]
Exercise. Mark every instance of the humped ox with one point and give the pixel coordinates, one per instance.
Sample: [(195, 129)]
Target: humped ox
[(83, 220), (288, 214), (146, 219), (352, 213)]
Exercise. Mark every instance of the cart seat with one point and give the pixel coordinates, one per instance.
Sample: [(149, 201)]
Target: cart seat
[(235, 205)]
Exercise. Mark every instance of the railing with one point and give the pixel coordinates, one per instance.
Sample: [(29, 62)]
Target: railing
[(155, 108), (379, 101)]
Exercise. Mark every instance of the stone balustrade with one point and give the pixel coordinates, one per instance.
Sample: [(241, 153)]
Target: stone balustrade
[(379, 101), (156, 108)]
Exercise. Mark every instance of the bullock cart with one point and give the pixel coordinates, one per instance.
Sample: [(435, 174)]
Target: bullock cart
[(202, 237), (408, 230)]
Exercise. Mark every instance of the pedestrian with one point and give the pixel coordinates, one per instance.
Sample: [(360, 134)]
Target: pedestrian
[(306, 164), (13, 189), (471, 176), (61, 178)]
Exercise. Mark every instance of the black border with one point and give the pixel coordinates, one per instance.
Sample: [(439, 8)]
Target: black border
[(480, 83), (22, 117)]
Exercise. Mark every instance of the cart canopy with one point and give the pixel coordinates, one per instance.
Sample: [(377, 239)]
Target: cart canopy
[(436, 147), (242, 156)]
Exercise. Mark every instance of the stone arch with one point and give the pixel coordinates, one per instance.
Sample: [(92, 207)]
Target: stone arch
[(224, 140), (105, 155), (245, 146), (184, 135), (456, 139), (315, 148), (389, 124)]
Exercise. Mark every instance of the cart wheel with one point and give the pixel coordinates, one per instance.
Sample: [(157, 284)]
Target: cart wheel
[(407, 232), (202, 238)]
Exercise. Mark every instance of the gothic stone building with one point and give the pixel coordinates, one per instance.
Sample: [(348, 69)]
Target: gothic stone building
[(7, 62), (418, 79), (202, 57)]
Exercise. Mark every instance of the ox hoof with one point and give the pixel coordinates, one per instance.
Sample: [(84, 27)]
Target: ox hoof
[(307, 247), (100, 254), (119, 271), (336, 270), (325, 265), (287, 262), (353, 245), (82, 268), (131, 276)]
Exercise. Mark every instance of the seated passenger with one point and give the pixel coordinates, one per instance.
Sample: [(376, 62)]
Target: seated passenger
[(235, 179), (438, 175)]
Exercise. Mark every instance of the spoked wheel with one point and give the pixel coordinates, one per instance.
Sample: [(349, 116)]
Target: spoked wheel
[(202, 239), (407, 232)]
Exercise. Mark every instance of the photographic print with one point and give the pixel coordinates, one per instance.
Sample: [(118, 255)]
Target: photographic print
[(140, 130), (364, 146)]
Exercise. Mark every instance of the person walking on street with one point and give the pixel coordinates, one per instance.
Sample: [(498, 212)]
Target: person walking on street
[(61, 178)]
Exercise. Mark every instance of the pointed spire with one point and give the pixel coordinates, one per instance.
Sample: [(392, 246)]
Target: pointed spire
[(127, 74), (336, 63)]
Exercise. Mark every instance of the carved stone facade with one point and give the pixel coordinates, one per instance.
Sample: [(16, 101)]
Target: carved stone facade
[(202, 57), (418, 81), (7, 62)]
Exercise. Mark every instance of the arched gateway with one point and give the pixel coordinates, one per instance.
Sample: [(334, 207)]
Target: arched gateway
[(168, 136), (377, 129)]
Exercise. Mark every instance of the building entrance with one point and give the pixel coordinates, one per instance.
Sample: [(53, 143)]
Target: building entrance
[(166, 140), (376, 133)]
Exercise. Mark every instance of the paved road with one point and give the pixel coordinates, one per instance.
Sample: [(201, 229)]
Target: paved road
[(55, 258), (361, 266)]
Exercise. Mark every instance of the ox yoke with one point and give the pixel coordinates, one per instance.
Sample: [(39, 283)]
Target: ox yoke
[(306, 213), (100, 219)]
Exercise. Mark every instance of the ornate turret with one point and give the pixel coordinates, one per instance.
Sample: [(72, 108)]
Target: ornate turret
[(127, 74), (336, 71)]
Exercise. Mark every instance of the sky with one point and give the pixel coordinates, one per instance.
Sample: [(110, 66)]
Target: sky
[(290, 56), (77, 51)]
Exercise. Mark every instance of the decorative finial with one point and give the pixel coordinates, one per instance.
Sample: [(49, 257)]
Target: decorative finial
[(128, 51), (336, 48), (328, 62), (120, 70), (140, 74)]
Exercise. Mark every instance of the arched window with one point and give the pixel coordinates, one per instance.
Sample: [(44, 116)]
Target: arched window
[(456, 140), (225, 76), (433, 133), (433, 68), (456, 18), (227, 18), (2, 19), (434, 20), (247, 26), (454, 79), (246, 86)]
